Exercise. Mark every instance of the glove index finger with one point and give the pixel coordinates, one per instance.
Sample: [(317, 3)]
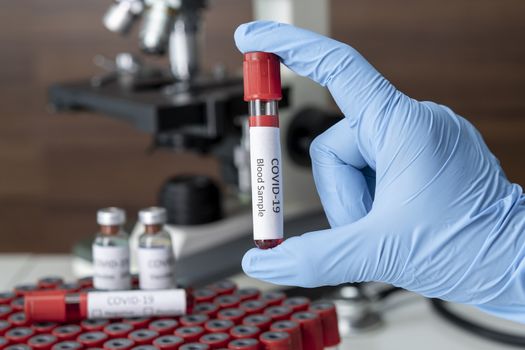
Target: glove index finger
[(357, 87), (355, 252)]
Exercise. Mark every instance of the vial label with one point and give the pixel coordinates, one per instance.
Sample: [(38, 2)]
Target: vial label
[(156, 267), (267, 197), (136, 303), (111, 268)]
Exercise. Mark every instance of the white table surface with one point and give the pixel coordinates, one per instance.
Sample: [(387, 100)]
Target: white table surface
[(409, 321)]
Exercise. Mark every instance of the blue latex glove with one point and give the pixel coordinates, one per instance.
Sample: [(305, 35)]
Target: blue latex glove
[(444, 221)]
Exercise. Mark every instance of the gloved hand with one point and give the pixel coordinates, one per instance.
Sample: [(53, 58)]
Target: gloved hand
[(444, 221)]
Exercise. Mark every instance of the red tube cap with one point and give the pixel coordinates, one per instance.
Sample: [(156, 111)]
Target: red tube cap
[(262, 76), (46, 306)]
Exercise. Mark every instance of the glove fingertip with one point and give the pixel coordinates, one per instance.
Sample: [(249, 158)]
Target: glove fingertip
[(248, 261), (244, 33)]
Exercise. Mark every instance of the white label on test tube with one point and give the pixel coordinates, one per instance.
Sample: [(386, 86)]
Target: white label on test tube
[(267, 196), (111, 268), (156, 267), (136, 303)]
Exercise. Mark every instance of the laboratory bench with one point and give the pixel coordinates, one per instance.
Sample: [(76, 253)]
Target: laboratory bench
[(408, 319)]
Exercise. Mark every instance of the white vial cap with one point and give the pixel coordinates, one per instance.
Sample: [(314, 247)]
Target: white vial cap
[(111, 216), (153, 216)]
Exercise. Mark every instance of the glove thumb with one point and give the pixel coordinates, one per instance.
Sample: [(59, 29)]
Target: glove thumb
[(356, 252)]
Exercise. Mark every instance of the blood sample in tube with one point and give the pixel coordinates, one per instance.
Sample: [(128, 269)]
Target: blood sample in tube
[(328, 314), (262, 90), (59, 306)]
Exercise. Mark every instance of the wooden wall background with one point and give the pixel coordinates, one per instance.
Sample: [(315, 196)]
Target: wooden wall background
[(56, 170)]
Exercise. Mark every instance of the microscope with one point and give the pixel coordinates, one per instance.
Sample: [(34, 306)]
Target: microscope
[(187, 109)]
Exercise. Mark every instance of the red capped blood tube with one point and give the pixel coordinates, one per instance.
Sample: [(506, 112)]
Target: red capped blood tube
[(215, 340), (4, 326), (118, 344), (327, 312), (243, 332), (137, 322), (67, 332), (118, 330), (260, 321), (5, 311), (43, 327), (17, 304), (204, 295), (94, 325), (311, 329), (18, 319), (4, 342), (297, 303), (19, 334), (244, 344), (209, 309), (276, 341), (227, 301), (190, 334), (273, 297), (253, 306), (7, 297), (223, 287), (262, 90), (18, 347), (164, 326), (168, 342), (92, 339), (233, 314), (143, 336), (85, 282), (23, 289), (42, 341), (67, 345), (69, 287), (293, 329), (144, 347), (60, 306), (194, 320), (279, 313), (247, 293), (218, 326), (195, 346), (50, 282)]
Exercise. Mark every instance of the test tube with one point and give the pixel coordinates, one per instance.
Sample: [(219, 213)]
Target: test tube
[(60, 306), (262, 90)]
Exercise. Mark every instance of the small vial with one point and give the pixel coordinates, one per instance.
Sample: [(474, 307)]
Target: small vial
[(155, 254), (262, 90), (111, 251), (62, 307)]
